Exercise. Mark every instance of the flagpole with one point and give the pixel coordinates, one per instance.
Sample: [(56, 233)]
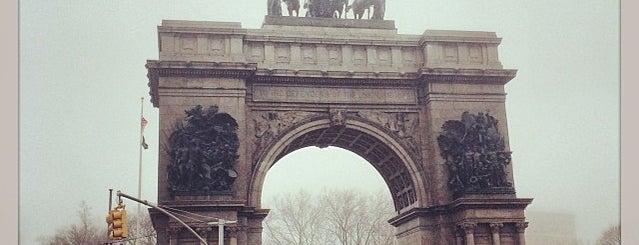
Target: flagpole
[(140, 145)]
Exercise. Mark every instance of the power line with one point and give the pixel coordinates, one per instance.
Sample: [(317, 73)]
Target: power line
[(194, 214)]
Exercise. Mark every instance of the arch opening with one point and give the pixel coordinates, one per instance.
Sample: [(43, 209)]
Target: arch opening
[(319, 170), (386, 156)]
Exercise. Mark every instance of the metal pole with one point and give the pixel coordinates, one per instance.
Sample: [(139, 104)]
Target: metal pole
[(109, 212), (140, 145), (220, 228), (120, 194), (220, 232)]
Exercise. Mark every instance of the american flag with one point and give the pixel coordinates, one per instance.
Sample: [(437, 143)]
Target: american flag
[(144, 144), (143, 122)]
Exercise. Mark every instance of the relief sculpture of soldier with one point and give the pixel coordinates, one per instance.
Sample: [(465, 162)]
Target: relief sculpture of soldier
[(204, 152), (474, 152)]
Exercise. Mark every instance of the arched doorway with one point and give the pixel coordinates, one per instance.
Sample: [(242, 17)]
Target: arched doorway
[(330, 195)]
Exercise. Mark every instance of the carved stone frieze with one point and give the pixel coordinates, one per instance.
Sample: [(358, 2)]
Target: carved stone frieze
[(473, 149), (203, 152)]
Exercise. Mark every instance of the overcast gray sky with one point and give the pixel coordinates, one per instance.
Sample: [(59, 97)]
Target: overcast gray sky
[(82, 75)]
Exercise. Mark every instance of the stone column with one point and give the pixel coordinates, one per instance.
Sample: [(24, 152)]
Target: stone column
[(521, 226), (469, 230), (232, 232), (173, 235), (494, 230), (459, 237)]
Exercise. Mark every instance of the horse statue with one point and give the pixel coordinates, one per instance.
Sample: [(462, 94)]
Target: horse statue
[(361, 6), (273, 7), (338, 7), (292, 6), (379, 7), (307, 6), (325, 8), (358, 7)]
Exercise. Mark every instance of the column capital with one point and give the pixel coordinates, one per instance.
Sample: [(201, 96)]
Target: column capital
[(173, 231), (468, 227), (203, 231), (494, 227), (233, 230), (521, 226)]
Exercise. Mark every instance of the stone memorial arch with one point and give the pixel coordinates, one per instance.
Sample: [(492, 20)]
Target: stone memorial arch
[(426, 111)]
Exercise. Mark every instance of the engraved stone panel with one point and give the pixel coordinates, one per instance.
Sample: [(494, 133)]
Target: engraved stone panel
[(308, 54), (256, 52), (475, 54), (384, 56), (359, 56), (217, 46), (450, 53), (188, 44), (408, 56), (333, 95), (334, 55), (282, 53)]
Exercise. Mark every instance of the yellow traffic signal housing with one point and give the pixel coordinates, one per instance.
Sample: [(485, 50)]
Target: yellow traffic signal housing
[(118, 227)]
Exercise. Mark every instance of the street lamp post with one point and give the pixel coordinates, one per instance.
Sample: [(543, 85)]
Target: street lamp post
[(220, 228)]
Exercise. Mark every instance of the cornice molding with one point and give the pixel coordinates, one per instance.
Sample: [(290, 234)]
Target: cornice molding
[(461, 204), (253, 74), (491, 76), (157, 69)]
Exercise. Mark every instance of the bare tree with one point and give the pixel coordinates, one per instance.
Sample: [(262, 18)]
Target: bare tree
[(83, 233), (295, 220), (612, 236), (335, 217), (357, 219), (141, 229), (87, 232)]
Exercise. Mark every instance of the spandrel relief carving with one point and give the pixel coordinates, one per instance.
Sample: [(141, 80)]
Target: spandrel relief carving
[(401, 124), (269, 125), (203, 152), (474, 152)]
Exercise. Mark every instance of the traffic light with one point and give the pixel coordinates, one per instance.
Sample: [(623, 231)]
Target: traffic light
[(118, 228)]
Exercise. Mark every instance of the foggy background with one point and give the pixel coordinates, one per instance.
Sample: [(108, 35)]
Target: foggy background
[(82, 75)]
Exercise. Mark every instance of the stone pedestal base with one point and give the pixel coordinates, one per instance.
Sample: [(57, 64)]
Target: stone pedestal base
[(465, 221)]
